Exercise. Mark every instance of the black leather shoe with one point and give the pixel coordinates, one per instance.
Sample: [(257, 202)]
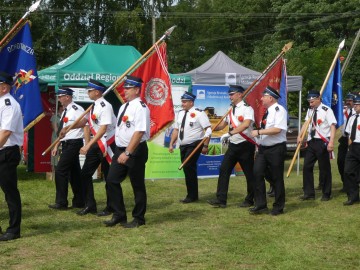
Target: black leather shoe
[(306, 197), (87, 210), (276, 212), (216, 203), (57, 206), (258, 210), (350, 202), (9, 236), (325, 198), (115, 220), (188, 200), (246, 204), (105, 212), (133, 224)]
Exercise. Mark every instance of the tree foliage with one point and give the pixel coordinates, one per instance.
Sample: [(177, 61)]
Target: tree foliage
[(251, 32)]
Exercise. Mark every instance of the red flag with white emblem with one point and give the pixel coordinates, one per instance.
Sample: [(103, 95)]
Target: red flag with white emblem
[(272, 78), (156, 89)]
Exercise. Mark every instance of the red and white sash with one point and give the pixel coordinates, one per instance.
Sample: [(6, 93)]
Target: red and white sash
[(241, 133), (104, 143)]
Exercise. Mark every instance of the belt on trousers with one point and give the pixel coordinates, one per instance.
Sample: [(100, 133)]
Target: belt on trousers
[(123, 148), (9, 148), (72, 141), (271, 146), (318, 139), (355, 143)]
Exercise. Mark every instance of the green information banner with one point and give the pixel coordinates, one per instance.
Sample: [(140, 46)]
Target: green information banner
[(162, 164)]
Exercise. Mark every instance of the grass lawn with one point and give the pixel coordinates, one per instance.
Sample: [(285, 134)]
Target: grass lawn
[(310, 235)]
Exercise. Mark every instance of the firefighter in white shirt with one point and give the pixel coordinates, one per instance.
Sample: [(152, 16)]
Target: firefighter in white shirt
[(11, 138), (320, 145), (68, 167)]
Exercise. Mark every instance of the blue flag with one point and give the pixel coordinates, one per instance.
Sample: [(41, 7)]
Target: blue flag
[(283, 87), (18, 59), (332, 95)]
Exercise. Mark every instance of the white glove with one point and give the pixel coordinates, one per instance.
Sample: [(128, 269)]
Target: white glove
[(224, 138)]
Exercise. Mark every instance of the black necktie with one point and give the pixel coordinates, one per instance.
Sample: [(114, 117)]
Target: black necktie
[(122, 113), (61, 122), (263, 123), (353, 129), (347, 121), (181, 135), (312, 133)]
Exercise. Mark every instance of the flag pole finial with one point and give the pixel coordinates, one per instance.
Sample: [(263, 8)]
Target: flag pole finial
[(32, 8)]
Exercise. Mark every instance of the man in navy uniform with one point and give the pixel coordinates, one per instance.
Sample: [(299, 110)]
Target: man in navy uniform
[(352, 162), (271, 154), (68, 167), (241, 148), (130, 156), (320, 145), (11, 138), (343, 140), (192, 125)]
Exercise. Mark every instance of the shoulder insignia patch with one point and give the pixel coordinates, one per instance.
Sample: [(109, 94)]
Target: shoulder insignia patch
[(74, 107), (142, 103), (277, 108), (324, 108), (7, 102), (197, 109), (247, 105), (102, 103)]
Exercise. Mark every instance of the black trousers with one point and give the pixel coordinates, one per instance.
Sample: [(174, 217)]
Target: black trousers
[(270, 158), (68, 168), (244, 154), (93, 159), (190, 169), (135, 168), (317, 151), (351, 172), (342, 151), (9, 160)]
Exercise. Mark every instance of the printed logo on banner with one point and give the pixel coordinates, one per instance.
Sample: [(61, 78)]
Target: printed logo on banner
[(200, 94), (156, 92)]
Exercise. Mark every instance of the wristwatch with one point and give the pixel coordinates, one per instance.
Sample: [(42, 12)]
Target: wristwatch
[(127, 153)]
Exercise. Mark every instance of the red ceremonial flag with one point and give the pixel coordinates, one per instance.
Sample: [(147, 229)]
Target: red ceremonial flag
[(156, 89), (272, 78)]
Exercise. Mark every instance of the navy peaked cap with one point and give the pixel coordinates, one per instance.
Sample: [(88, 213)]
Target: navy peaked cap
[(271, 92), (6, 78), (65, 91), (93, 84), (313, 94), (236, 89), (350, 96), (357, 100), (132, 81), (188, 96)]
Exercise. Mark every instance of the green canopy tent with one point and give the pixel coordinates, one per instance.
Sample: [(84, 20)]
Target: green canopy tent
[(101, 62)]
